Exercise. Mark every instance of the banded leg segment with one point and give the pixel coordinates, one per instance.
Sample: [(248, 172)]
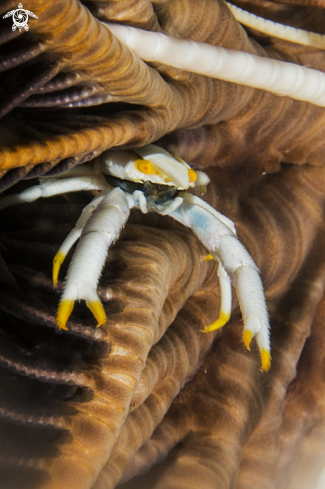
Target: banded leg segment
[(223, 244), (101, 230)]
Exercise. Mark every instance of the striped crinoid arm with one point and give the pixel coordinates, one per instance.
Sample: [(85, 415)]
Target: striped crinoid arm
[(276, 29), (109, 97), (277, 77), (89, 68)]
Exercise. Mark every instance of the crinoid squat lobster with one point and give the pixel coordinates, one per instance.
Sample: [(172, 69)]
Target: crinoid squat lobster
[(149, 179)]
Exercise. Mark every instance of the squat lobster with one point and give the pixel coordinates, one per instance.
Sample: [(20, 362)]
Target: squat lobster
[(149, 179)]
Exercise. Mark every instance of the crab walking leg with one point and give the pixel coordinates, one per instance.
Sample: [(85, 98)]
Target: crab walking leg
[(240, 267), (75, 234), (249, 284), (225, 307), (49, 188), (193, 199), (101, 230), (247, 280)]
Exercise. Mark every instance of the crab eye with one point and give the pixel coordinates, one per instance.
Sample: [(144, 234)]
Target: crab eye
[(144, 166), (192, 175)]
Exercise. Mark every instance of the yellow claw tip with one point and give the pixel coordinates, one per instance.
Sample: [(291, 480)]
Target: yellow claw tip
[(192, 176), (98, 311), (221, 321), (248, 335), (57, 262), (266, 359), (64, 312), (207, 257)]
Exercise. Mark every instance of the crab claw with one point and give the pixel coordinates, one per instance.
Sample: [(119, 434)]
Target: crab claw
[(225, 307), (57, 262), (64, 312), (255, 315), (102, 228), (66, 307)]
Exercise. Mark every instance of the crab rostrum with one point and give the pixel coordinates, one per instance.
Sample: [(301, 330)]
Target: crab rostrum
[(150, 179)]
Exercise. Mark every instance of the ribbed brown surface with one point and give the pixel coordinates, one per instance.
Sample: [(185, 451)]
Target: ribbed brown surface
[(229, 417), (95, 408), (303, 436), (73, 61), (99, 368)]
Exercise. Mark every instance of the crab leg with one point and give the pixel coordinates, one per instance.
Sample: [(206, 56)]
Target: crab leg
[(101, 230), (222, 242), (49, 188), (225, 307), (75, 234)]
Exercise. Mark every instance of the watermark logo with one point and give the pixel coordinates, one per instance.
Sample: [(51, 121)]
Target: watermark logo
[(20, 18)]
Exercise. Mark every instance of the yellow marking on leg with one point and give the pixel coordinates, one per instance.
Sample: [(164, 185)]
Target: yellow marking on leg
[(64, 312), (57, 262), (266, 359), (248, 335), (221, 321), (98, 311), (207, 257)]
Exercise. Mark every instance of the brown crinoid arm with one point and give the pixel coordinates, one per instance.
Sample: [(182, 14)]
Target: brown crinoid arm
[(71, 393), (69, 60)]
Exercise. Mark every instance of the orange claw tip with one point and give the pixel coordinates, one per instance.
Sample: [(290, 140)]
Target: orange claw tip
[(207, 257), (192, 176), (266, 359), (57, 262), (98, 311), (64, 312), (248, 335), (221, 321)]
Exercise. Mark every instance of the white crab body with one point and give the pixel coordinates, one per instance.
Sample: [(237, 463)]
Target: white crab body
[(150, 179)]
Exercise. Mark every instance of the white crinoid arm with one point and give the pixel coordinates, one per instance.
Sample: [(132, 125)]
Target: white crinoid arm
[(279, 77), (275, 29), (101, 230), (238, 265)]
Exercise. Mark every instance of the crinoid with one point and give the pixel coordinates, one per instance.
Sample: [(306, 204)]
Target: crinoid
[(148, 400)]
